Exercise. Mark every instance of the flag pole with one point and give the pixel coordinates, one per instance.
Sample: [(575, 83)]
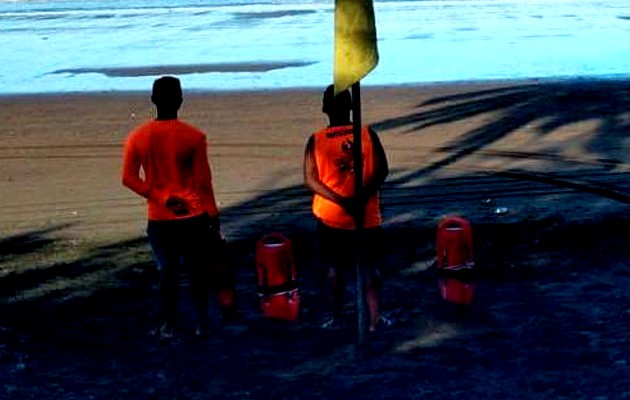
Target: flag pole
[(359, 211), (356, 54)]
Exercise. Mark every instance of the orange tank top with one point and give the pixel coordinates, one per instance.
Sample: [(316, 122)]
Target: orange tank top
[(335, 165)]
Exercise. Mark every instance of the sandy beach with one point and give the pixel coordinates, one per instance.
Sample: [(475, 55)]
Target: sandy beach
[(539, 167), (61, 154)]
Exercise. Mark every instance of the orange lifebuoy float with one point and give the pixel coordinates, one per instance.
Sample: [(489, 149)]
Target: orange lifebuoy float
[(455, 263), (277, 277)]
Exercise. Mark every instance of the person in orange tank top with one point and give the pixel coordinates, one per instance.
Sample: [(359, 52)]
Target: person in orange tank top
[(329, 173), (166, 162)]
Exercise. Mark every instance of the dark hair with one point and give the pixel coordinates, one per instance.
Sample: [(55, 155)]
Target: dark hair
[(167, 90), (341, 102)]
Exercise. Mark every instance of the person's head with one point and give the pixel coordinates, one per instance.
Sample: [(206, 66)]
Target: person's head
[(167, 94), (336, 106)]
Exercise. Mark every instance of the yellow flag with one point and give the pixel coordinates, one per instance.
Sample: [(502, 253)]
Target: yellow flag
[(355, 42)]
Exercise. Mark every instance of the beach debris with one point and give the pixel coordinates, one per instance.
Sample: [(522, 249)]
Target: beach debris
[(70, 213), (501, 210), (161, 376), (20, 365), (237, 329), (418, 266), (433, 336)]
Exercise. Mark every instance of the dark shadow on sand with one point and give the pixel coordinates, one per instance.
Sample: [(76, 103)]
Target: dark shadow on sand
[(26, 243), (546, 106)]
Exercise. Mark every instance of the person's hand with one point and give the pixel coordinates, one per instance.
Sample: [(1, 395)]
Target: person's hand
[(353, 206), (349, 205), (177, 205)]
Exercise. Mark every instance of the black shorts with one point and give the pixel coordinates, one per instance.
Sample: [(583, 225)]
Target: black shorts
[(337, 248)]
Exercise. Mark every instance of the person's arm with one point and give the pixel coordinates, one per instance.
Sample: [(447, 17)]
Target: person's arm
[(204, 174), (312, 181), (131, 174), (381, 168)]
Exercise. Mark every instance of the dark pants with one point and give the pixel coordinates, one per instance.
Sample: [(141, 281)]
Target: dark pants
[(338, 250), (189, 244)]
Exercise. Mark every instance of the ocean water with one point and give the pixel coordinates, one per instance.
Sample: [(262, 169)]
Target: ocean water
[(112, 45)]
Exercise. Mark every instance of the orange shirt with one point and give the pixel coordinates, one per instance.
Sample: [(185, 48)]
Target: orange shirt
[(170, 157), (335, 166)]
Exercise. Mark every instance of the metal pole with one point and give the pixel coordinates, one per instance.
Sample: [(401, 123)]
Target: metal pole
[(360, 211)]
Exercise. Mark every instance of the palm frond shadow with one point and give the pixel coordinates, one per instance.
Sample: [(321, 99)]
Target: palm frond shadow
[(550, 105), (28, 242), (57, 281)]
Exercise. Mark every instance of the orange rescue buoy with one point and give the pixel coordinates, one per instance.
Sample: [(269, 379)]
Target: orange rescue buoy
[(455, 263), (277, 278)]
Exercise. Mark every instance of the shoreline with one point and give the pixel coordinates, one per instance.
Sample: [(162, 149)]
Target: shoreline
[(317, 89)]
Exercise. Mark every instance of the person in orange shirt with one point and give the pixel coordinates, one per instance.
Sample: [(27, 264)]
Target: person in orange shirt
[(166, 161), (329, 173)]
